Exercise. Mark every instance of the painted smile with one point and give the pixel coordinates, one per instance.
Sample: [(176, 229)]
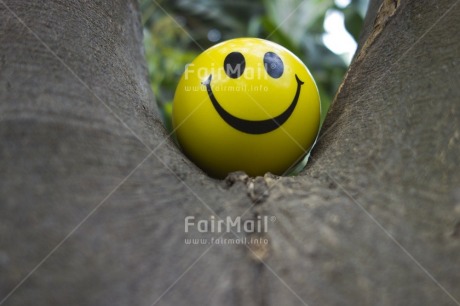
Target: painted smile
[(253, 126)]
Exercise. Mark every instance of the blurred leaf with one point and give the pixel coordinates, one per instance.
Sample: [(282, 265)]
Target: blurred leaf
[(295, 17), (360, 6), (353, 22)]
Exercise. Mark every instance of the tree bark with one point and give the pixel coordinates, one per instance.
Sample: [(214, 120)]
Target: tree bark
[(93, 193)]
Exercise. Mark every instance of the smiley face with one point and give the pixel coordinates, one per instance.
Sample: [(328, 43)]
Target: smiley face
[(246, 104), (235, 62)]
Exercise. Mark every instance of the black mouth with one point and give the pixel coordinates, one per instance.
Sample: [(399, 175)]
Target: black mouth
[(253, 126)]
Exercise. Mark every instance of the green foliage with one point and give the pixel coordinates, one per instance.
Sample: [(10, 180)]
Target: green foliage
[(177, 31)]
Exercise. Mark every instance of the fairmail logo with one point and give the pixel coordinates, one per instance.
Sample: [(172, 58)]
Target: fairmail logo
[(228, 224)]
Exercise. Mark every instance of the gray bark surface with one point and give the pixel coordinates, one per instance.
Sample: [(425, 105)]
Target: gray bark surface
[(93, 194)]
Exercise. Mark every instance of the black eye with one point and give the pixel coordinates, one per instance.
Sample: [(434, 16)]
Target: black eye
[(234, 65), (273, 64)]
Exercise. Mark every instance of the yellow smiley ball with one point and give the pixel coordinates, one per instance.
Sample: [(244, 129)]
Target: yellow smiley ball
[(246, 104)]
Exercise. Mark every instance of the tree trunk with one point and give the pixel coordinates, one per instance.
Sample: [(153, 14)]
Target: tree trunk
[(93, 194)]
